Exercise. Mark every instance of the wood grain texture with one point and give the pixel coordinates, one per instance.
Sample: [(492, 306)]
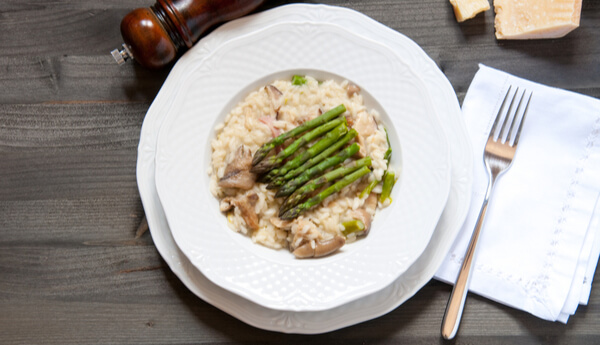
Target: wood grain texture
[(71, 269)]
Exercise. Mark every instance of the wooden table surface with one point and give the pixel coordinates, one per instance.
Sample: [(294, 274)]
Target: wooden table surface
[(71, 268)]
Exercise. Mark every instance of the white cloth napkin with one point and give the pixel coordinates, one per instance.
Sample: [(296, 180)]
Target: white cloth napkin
[(540, 241)]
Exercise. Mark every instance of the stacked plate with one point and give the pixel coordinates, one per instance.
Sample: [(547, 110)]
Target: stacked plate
[(270, 289)]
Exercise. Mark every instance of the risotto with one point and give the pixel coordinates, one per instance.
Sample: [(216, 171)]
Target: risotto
[(292, 196)]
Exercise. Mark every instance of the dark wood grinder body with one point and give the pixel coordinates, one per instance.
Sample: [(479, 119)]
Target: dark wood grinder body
[(155, 35)]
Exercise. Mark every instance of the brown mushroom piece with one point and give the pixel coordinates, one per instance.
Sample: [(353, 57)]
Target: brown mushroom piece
[(226, 204), (364, 214), (237, 173), (321, 248), (362, 153), (282, 224), (245, 203), (352, 90), (275, 97)]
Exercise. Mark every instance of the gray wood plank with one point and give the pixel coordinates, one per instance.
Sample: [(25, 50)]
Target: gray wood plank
[(43, 175), (70, 126), (35, 79), (85, 220), (180, 319)]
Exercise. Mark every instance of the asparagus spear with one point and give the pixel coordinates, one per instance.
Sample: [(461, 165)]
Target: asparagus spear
[(312, 185), (264, 150), (389, 179), (388, 153), (369, 188), (387, 156), (317, 199), (293, 184), (315, 160), (276, 160), (327, 140)]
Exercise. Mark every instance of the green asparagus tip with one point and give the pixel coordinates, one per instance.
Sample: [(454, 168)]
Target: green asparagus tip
[(388, 153), (389, 179), (352, 226), (298, 80)]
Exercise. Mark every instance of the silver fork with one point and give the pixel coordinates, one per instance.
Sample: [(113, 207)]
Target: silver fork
[(498, 156)]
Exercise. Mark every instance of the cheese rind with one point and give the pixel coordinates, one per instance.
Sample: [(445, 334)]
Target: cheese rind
[(467, 9), (534, 19)]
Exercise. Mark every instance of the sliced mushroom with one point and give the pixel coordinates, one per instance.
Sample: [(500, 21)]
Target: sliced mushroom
[(245, 203), (282, 224), (352, 90), (365, 125), (252, 198), (365, 213), (275, 97), (362, 152), (237, 173), (321, 248), (226, 204), (246, 207)]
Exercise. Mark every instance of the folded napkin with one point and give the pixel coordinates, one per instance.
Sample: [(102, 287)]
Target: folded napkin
[(540, 241)]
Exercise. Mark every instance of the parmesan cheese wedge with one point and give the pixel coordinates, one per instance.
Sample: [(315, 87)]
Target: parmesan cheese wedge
[(532, 19), (467, 9)]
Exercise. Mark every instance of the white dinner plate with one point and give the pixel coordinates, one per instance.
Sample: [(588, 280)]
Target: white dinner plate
[(213, 85), (364, 308)]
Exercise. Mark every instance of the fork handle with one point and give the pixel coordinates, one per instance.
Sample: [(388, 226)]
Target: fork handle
[(456, 303)]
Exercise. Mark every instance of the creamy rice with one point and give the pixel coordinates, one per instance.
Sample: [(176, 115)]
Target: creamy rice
[(254, 121)]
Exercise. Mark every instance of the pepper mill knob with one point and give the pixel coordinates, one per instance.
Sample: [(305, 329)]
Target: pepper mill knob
[(122, 55), (154, 36)]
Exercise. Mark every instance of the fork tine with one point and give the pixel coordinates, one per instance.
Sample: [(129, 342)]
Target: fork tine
[(511, 129), (522, 118), (499, 115), (502, 134)]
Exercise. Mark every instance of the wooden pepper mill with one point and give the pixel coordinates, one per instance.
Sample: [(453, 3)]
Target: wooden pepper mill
[(155, 35)]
